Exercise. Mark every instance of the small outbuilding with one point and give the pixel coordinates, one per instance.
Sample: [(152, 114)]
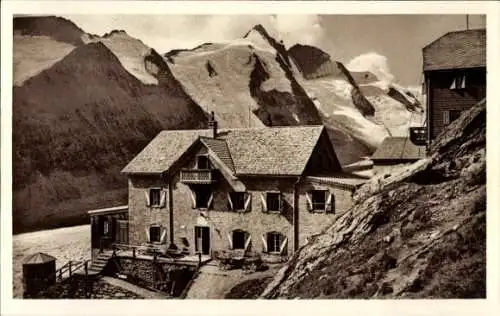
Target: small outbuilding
[(39, 272), (394, 153)]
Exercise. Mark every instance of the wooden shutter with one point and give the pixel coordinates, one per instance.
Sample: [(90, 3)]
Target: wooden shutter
[(163, 198), (283, 246), (193, 199), (264, 243), (247, 241), (330, 202), (147, 235), (229, 202), (146, 194), (463, 82), (454, 84), (309, 201), (248, 202), (210, 201), (280, 202), (163, 235), (263, 202), (446, 117), (230, 239)]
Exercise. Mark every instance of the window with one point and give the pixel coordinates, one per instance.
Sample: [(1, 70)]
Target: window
[(239, 239), (454, 114), (202, 197), (458, 83), (450, 116), (154, 197), (273, 202), (237, 200), (154, 234), (274, 241), (202, 162), (318, 200), (106, 230)]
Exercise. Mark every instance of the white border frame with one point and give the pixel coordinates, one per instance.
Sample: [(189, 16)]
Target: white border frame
[(489, 306)]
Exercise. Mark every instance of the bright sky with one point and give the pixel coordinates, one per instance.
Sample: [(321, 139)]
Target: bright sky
[(400, 38)]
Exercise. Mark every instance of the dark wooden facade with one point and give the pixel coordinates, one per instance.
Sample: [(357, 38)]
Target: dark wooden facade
[(108, 226), (455, 76)]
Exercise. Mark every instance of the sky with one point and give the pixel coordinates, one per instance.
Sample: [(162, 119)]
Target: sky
[(396, 41)]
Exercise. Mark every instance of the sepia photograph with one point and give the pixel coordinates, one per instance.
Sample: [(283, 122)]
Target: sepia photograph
[(248, 156)]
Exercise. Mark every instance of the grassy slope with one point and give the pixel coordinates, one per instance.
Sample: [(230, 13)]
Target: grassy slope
[(417, 234), (77, 124)]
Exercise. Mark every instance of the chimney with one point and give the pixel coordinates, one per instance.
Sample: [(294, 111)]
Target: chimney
[(212, 124)]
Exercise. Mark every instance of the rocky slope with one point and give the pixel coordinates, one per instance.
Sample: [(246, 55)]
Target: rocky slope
[(78, 122), (420, 233)]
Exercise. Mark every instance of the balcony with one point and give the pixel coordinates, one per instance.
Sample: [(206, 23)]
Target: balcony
[(198, 176)]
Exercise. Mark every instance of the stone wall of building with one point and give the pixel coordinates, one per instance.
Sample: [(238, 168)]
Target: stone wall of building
[(311, 223)]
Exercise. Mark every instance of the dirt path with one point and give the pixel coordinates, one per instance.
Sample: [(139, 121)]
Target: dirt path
[(213, 283)]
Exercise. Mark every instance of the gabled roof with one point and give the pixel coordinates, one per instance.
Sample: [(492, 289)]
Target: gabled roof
[(282, 151), (398, 149), (456, 50), (220, 148)]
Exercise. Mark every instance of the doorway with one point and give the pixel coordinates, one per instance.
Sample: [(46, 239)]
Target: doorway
[(202, 239)]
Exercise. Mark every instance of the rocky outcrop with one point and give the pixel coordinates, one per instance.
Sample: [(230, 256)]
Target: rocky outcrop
[(420, 233)]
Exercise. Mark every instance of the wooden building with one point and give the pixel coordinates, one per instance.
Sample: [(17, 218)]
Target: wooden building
[(263, 190), (454, 67)]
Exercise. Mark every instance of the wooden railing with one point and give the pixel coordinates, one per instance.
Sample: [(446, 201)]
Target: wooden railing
[(71, 267), (197, 176), (152, 250)]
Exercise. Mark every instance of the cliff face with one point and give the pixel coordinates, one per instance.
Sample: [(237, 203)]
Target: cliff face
[(416, 234)]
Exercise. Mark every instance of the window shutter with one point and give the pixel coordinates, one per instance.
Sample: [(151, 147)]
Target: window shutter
[(330, 202), (146, 194), (147, 234), (446, 117), (247, 241), (453, 84), (210, 201), (263, 202), (248, 202), (281, 202), (193, 199), (264, 243), (163, 198), (309, 202), (163, 235), (283, 246), (463, 83), (230, 240), (229, 202)]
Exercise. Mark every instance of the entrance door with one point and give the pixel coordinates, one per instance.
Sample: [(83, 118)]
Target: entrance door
[(122, 232), (202, 239)]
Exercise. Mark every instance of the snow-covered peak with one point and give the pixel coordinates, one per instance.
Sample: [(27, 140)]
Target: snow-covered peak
[(374, 63)]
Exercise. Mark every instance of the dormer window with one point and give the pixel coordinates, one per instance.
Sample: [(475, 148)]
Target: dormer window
[(202, 162)]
